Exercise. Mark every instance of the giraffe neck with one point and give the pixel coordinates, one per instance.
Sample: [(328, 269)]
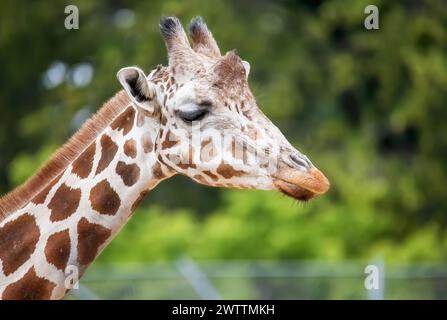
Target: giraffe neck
[(60, 232)]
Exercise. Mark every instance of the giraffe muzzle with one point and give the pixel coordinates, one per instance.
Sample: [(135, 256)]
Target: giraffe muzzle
[(301, 184)]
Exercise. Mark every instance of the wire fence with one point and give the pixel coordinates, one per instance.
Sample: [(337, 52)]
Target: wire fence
[(188, 279)]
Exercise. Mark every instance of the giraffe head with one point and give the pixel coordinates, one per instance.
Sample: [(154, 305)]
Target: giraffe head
[(210, 126)]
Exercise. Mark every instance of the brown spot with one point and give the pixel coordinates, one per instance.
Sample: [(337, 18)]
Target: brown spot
[(146, 141), (29, 287), (128, 172), (211, 175), (90, 237), (138, 201), (186, 160), (157, 173), (207, 151), (163, 120), (248, 114), (57, 249), (190, 157), (104, 199), (18, 239), (228, 171), (239, 151), (253, 133), (108, 152), (124, 121), (140, 118), (42, 195), (184, 166), (199, 178), (82, 166), (130, 148), (64, 203), (170, 141)]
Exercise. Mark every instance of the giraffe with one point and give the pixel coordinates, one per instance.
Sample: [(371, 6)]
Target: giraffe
[(196, 117)]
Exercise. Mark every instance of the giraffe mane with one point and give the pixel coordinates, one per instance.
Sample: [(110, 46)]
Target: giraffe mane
[(65, 155)]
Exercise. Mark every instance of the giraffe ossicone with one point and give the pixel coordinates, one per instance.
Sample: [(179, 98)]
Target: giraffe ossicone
[(196, 117)]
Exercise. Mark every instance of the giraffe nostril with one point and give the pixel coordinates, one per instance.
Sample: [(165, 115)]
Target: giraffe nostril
[(300, 161)]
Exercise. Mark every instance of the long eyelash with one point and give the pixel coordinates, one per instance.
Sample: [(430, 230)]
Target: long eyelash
[(192, 115), (206, 103)]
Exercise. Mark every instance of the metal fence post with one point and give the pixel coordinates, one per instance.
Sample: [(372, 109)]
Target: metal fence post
[(197, 278)]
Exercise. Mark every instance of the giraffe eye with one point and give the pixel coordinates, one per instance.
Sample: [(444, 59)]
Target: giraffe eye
[(191, 116)]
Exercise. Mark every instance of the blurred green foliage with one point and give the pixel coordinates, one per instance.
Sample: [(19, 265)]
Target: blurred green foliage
[(368, 107)]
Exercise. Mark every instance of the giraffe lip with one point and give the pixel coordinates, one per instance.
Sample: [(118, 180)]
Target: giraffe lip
[(294, 191), (302, 185)]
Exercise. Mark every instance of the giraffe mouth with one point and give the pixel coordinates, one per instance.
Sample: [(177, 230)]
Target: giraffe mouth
[(294, 191), (301, 185)]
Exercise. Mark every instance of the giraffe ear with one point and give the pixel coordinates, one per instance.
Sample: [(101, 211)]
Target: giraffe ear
[(246, 67), (139, 89)]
